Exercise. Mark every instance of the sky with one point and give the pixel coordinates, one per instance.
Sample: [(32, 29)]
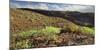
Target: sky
[(52, 6)]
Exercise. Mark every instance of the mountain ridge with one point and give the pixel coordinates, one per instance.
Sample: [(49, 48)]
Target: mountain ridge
[(74, 16)]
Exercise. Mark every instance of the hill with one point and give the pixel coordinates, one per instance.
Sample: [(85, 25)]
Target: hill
[(31, 28), (73, 16)]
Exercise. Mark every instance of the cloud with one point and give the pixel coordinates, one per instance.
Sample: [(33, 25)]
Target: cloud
[(88, 9), (52, 6), (13, 5), (81, 8), (73, 7), (28, 5), (37, 6), (43, 6)]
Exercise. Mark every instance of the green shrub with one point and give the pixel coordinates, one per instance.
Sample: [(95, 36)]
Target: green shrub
[(71, 27), (25, 34), (23, 44), (51, 30), (48, 32), (87, 30)]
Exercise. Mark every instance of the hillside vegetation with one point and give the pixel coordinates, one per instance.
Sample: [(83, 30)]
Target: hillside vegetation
[(39, 28)]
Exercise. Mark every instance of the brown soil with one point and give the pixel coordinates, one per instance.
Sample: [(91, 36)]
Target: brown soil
[(64, 39)]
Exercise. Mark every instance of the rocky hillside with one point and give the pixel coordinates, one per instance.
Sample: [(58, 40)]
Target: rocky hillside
[(40, 28)]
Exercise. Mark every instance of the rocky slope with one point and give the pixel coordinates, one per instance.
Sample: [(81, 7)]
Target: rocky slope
[(23, 20)]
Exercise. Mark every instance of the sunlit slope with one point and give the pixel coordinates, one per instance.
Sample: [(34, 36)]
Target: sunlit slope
[(22, 20)]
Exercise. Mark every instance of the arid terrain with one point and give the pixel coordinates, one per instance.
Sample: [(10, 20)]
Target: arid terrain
[(32, 28)]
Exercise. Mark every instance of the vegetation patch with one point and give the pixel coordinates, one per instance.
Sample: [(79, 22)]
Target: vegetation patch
[(48, 32), (87, 30)]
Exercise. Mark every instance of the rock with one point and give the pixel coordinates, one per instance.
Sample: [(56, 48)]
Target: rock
[(39, 38), (71, 43), (52, 45), (42, 45)]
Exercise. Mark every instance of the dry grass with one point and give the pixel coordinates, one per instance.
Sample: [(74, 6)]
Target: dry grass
[(22, 21)]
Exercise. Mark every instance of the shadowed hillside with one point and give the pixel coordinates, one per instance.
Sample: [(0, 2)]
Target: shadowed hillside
[(86, 19)]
